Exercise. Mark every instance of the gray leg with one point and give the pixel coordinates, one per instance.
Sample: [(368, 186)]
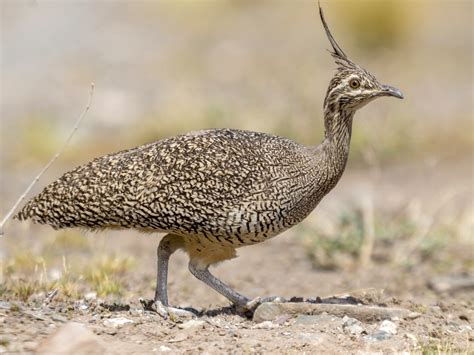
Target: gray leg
[(168, 245), (205, 276)]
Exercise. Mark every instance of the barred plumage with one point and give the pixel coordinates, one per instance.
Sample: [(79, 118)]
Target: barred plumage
[(234, 186), (212, 190)]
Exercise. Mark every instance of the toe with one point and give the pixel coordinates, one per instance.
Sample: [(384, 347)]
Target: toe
[(172, 313)]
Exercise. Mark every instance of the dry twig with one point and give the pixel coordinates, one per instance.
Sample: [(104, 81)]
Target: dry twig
[(56, 156)]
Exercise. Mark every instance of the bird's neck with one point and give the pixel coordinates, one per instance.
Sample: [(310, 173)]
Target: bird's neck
[(337, 131), (328, 161)]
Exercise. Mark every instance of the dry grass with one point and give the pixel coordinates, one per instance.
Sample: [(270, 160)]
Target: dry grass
[(25, 274), (403, 238)]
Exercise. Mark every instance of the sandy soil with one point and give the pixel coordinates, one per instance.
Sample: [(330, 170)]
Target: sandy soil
[(445, 321)]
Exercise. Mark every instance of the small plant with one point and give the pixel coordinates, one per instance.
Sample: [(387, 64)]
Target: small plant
[(399, 239), (105, 275), (335, 250)]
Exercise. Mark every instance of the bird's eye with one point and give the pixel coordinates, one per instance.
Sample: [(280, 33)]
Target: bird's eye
[(354, 83)]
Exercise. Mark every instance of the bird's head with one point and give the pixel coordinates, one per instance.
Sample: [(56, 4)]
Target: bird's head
[(352, 86)]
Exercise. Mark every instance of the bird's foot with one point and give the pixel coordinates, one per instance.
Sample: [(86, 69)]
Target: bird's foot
[(167, 312), (249, 308)]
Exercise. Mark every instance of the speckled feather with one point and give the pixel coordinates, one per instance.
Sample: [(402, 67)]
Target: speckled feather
[(229, 186)]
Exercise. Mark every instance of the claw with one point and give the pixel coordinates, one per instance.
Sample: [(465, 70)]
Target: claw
[(167, 312), (172, 313)]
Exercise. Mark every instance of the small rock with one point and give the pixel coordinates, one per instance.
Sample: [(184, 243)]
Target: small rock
[(413, 315), (389, 327), (118, 322), (83, 307), (136, 312), (319, 319), (266, 325), (296, 299), (413, 338), (179, 337), (110, 331), (72, 338), (353, 326), (58, 318), (270, 311), (267, 311), (115, 307), (379, 336), (348, 321), (306, 319), (193, 323), (280, 320), (5, 305), (311, 338), (164, 348), (90, 296)]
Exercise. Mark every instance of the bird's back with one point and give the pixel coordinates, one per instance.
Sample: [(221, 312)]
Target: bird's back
[(233, 185)]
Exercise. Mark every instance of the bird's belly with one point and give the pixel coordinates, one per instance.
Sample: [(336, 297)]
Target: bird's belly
[(247, 227), (237, 227)]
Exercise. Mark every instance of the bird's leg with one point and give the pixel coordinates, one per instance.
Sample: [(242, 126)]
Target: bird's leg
[(168, 245), (202, 273)]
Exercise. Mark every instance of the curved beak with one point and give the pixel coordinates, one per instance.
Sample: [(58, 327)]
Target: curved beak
[(388, 90)]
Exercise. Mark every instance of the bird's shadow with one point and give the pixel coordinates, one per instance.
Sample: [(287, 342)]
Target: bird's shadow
[(234, 310)]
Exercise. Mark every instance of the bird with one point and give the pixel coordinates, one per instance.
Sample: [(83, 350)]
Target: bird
[(213, 191)]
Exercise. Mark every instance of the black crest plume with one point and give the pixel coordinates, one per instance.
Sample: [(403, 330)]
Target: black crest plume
[(338, 52)]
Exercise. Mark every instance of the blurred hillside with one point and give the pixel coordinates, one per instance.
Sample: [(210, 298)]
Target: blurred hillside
[(163, 68)]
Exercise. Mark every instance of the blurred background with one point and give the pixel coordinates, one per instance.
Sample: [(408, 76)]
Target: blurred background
[(402, 214)]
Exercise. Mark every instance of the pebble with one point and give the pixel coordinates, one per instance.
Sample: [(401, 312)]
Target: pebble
[(179, 337), (265, 325), (110, 331), (319, 319), (118, 322), (136, 312), (90, 296), (310, 338), (378, 336), (413, 315), (164, 348), (5, 305), (353, 326), (389, 327), (280, 320), (193, 323), (58, 318)]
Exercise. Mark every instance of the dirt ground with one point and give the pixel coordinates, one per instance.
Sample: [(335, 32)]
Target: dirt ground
[(444, 325), (442, 320)]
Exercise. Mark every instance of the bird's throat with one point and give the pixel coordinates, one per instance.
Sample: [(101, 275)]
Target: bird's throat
[(338, 131)]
